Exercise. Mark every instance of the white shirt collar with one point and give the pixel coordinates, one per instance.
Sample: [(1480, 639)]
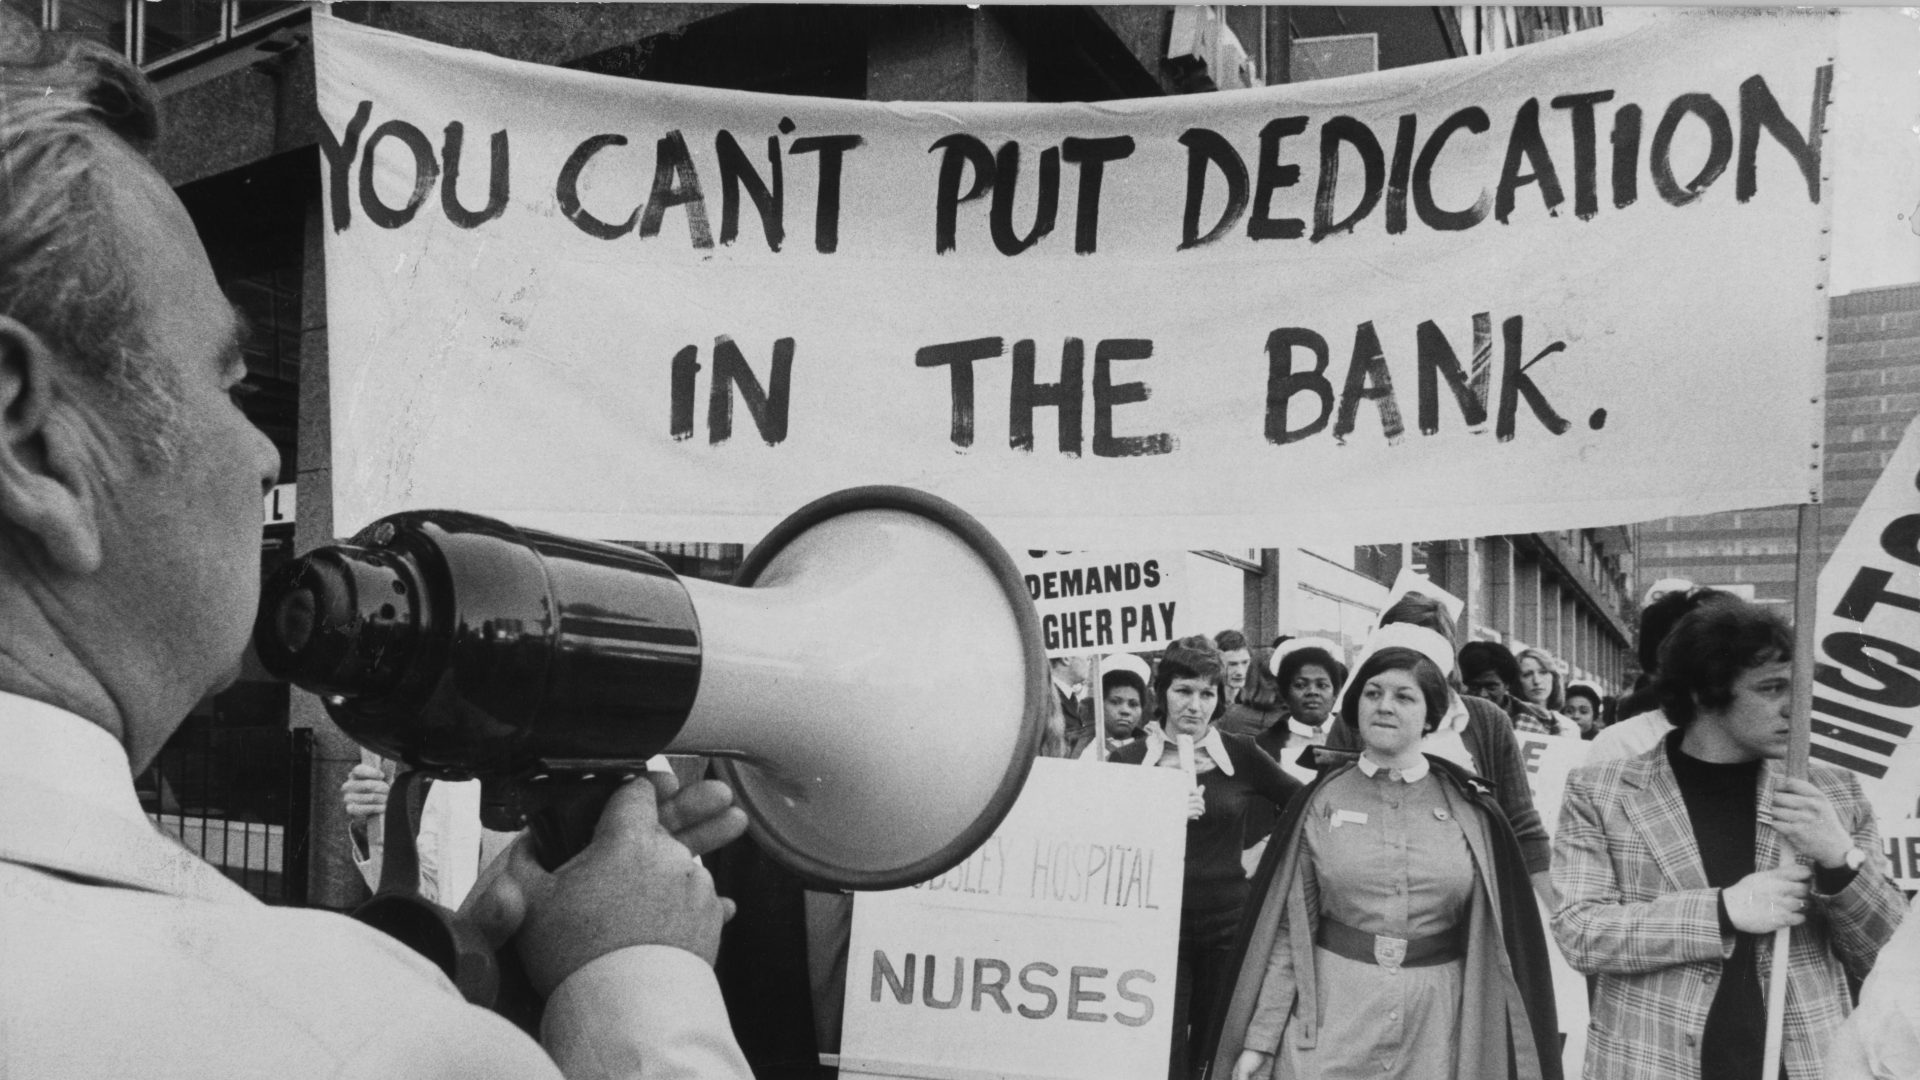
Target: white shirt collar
[(1307, 731), (1413, 775), (1158, 740), (67, 754)]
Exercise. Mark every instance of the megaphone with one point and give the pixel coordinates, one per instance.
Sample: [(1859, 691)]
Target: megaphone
[(873, 681)]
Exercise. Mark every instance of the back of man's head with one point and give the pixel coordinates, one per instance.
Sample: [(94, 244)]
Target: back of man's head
[(1666, 611), (64, 103)]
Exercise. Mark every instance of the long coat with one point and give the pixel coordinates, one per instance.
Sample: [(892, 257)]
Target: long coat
[(1508, 1007), (1636, 911)]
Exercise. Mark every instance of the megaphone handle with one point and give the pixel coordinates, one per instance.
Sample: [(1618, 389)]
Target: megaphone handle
[(400, 855), (563, 814)]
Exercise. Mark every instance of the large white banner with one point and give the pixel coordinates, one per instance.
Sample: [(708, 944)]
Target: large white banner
[(1050, 952), (1866, 694), (1576, 283)]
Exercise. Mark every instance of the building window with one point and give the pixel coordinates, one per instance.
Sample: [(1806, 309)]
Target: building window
[(104, 21), (155, 33)]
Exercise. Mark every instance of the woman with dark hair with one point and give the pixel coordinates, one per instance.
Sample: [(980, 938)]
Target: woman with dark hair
[(1477, 736), (1489, 670), (1396, 937), (1231, 778), (1123, 694), (1583, 708), (1308, 676)]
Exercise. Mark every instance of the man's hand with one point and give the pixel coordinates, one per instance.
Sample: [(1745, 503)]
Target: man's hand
[(1805, 818), (1196, 803), (364, 793), (637, 883), (1768, 900), (1252, 1065)]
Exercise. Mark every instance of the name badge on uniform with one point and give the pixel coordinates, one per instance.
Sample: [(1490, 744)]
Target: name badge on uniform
[(1347, 817)]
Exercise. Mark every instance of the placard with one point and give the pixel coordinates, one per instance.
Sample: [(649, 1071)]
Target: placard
[(1049, 953)]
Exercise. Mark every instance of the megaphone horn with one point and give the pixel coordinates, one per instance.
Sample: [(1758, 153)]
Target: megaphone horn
[(873, 682)]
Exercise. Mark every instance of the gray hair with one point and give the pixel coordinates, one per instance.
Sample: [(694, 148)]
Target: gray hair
[(63, 267)]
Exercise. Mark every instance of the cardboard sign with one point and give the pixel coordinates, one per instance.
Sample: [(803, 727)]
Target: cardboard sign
[(1549, 758), (1050, 952), (1866, 694), (1105, 601), (1200, 321), (1900, 841)]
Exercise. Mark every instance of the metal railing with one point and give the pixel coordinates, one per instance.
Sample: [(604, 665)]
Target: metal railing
[(239, 797)]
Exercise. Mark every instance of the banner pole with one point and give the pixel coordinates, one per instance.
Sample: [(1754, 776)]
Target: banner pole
[(1099, 708), (1799, 740)]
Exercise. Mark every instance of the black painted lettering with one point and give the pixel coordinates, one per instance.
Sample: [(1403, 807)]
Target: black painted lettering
[(1399, 174), (767, 406), (1368, 380), (1209, 148), (1006, 182), (1092, 156), (1515, 384), (960, 356), (339, 153), (451, 146), (958, 152), (1270, 177), (675, 183), (1758, 109), (1283, 383), (1852, 652), (1901, 539), (1719, 148), (1335, 133), (1526, 148), (1108, 395), (686, 367), (1626, 156), (1586, 185), (826, 214), (567, 190), (425, 172), (769, 196), (1473, 120), (1437, 360), (1065, 396)]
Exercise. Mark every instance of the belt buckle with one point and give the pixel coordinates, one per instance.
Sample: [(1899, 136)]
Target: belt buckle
[(1389, 952)]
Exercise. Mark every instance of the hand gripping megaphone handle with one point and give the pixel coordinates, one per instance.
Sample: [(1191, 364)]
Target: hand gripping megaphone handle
[(562, 813)]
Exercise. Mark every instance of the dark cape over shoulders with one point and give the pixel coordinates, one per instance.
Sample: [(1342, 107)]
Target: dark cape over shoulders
[(1523, 936)]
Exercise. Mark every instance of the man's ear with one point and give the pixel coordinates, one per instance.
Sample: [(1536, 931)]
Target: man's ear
[(45, 493)]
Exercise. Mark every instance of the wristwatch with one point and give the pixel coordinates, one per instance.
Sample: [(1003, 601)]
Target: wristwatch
[(1855, 858)]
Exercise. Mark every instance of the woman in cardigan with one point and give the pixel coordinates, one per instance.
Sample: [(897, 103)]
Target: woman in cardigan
[(1397, 938), (1231, 780)]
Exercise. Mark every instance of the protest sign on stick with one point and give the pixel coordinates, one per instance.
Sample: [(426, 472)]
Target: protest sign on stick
[(1097, 602), (1049, 953), (1866, 695)]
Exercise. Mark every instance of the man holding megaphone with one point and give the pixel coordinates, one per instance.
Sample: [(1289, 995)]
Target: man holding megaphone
[(130, 488)]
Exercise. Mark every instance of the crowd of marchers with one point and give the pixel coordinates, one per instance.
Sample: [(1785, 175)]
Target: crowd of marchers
[(1389, 930)]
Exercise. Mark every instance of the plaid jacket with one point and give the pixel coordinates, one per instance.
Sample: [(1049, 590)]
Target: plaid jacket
[(1635, 911)]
